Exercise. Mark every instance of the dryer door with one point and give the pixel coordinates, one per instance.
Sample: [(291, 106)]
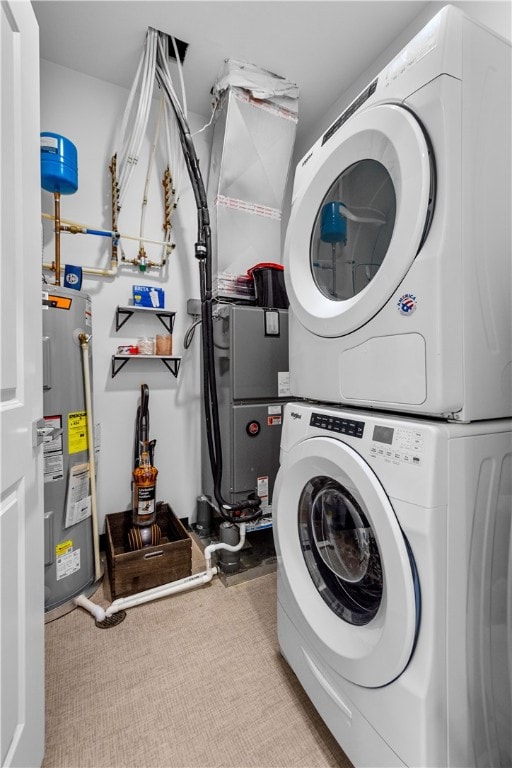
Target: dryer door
[(346, 561), (356, 228)]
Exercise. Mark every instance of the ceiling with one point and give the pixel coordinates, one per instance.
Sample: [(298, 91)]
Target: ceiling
[(322, 45)]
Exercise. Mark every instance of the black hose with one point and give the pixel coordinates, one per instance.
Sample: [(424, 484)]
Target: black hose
[(250, 509)]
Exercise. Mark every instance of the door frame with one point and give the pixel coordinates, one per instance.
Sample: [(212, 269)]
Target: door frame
[(21, 401)]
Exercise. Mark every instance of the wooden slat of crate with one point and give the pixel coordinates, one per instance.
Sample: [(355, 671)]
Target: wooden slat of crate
[(133, 572)]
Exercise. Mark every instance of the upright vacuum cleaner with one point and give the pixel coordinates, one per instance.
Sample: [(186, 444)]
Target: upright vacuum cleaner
[(144, 531)]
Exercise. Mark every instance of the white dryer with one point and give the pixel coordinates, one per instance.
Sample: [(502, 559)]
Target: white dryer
[(398, 249), (394, 582)]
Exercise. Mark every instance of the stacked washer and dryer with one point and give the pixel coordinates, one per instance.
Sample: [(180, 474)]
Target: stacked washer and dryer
[(392, 504)]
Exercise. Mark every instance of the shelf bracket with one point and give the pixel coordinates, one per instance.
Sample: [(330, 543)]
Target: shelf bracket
[(171, 363), (167, 321), (122, 315), (121, 362)]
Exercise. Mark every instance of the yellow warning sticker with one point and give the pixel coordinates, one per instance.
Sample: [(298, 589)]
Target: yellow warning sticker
[(63, 547), (77, 432)]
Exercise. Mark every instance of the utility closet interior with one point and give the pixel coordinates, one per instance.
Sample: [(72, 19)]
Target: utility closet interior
[(266, 246)]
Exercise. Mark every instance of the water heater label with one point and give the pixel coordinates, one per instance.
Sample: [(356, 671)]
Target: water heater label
[(67, 560), (77, 432), (78, 506), (53, 456)]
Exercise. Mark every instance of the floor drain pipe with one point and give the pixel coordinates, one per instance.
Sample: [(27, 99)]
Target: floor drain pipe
[(189, 582), (229, 559)]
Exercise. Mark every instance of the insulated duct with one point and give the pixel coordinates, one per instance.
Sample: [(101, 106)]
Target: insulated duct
[(254, 132)]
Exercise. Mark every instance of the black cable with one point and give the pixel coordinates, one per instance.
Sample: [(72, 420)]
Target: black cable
[(250, 509)]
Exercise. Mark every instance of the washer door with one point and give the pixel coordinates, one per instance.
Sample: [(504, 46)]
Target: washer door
[(357, 227), (346, 561)]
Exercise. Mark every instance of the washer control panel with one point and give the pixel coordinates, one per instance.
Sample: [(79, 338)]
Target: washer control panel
[(337, 424), (398, 445)]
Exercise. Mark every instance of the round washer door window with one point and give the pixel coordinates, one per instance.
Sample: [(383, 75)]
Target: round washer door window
[(359, 220), (345, 560), (340, 550)]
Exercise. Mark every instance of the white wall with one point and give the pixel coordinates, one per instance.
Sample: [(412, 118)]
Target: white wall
[(88, 112)]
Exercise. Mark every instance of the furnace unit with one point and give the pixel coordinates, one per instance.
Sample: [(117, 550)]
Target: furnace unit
[(251, 362)]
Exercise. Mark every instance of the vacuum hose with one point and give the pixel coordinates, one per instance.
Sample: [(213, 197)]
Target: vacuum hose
[(243, 511)]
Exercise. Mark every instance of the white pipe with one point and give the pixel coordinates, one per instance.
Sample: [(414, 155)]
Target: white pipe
[(84, 343), (173, 588), (208, 551), (148, 174), (112, 272), (96, 610), (198, 579), (122, 603)]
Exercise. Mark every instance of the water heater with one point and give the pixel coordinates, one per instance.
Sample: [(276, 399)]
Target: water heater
[(68, 540)]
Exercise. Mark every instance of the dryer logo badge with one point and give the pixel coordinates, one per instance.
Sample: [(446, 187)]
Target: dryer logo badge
[(407, 304), (295, 415)]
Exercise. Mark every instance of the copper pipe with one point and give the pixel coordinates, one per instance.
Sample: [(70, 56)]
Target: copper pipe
[(56, 196)]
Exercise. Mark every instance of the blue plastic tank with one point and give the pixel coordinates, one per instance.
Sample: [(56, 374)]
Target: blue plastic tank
[(59, 164), (333, 225)]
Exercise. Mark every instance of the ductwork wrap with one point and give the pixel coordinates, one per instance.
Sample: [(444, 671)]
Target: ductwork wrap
[(254, 132)]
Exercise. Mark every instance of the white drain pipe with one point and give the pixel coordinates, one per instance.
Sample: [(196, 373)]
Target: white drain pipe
[(84, 340), (181, 585)]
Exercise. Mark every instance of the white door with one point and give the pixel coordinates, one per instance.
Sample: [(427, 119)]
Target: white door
[(343, 555), (366, 204), (21, 492)]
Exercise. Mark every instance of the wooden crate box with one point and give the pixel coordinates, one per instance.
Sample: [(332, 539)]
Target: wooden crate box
[(133, 572)]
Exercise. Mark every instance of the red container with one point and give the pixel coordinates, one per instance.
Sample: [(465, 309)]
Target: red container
[(269, 285)]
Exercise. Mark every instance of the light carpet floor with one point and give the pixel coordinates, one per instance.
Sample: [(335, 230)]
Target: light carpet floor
[(193, 680)]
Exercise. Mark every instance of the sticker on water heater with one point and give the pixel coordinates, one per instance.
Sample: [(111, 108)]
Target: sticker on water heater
[(406, 304), (67, 560), (78, 502), (77, 432), (53, 456)]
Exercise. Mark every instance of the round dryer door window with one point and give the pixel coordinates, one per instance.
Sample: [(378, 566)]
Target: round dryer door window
[(359, 220), (343, 556), (353, 229)]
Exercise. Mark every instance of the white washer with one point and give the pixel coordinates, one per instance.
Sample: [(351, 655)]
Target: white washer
[(394, 582), (397, 254)]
